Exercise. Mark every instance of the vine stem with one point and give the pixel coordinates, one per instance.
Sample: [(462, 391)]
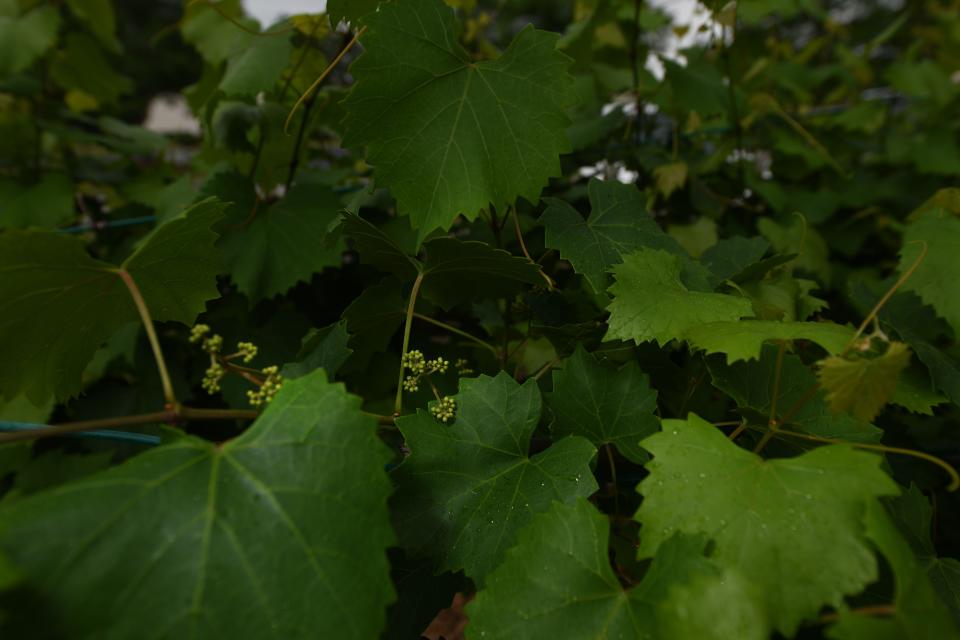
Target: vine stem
[(459, 332), (889, 294), (323, 76), (398, 403), (169, 416), (773, 424), (613, 479), (551, 285), (871, 610), (954, 476), (141, 304)]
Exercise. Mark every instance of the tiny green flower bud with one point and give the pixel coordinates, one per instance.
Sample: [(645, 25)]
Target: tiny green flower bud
[(198, 332)]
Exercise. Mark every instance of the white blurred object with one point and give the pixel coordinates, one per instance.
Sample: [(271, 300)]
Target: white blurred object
[(267, 12), (169, 114)]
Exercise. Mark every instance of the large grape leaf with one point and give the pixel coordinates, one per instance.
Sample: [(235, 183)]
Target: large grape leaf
[(604, 404), (450, 136), (935, 280), (750, 384), (557, 583), (221, 533), (57, 304), (467, 488), (744, 340), (618, 224), (918, 612), (270, 248), (793, 527), (651, 302)]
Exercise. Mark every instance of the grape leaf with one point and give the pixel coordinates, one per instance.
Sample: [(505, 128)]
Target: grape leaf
[(24, 38), (269, 249), (750, 384), (57, 304), (324, 348), (793, 527), (450, 136), (374, 317), (744, 340), (618, 224), (220, 532), (216, 38), (456, 271), (654, 275), (256, 67), (378, 249), (862, 386), (936, 278), (917, 613), (466, 489), (729, 257), (47, 203), (557, 583), (349, 10), (604, 404)]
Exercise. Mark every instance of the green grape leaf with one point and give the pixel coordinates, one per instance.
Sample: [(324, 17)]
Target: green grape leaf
[(374, 317), (604, 404), (24, 38), (750, 384), (456, 271), (257, 67), (793, 526), (176, 268), (219, 532), (47, 203), (729, 257), (57, 301), (378, 249), (918, 613), (618, 224), (349, 10), (324, 348), (915, 393), (450, 136), (215, 37), (557, 583), (794, 236), (863, 386), (652, 303), (269, 249), (937, 231), (467, 488), (744, 340)]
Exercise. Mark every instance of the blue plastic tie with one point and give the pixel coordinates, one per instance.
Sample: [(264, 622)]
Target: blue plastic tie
[(118, 436)]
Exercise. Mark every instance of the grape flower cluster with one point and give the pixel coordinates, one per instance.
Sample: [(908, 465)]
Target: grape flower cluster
[(419, 369), (268, 380)]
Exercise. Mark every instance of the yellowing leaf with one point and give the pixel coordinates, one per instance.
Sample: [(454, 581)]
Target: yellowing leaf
[(670, 177), (862, 386)]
